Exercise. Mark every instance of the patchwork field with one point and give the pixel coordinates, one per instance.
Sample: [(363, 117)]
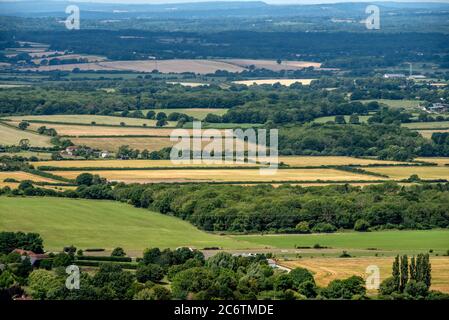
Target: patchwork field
[(11, 136), (224, 175), (327, 269), (104, 224), (284, 82), (88, 119), (399, 173)]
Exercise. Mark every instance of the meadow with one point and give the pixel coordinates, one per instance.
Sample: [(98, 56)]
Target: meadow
[(104, 224), (327, 269), (406, 104), (223, 175), (10, 136)]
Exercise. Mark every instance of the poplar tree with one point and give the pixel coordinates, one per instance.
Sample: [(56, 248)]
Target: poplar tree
[(412, 268), (396, 273), (404, 273)]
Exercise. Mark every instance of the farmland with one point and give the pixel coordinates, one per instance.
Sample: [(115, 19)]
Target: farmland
[(112, 144), (223, 175), (327, 269), (284, 82), (406, 104), (11, 136), (106, 224), (427, 125), (399, 173), (20, 176), (198, 113)]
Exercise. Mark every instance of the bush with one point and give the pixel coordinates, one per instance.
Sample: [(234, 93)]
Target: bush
[(323, 227), (105, 258), (303, 227), (118, 252), (361, 225), (150, 272)]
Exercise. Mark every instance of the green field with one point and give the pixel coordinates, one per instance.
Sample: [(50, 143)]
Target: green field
[(104, 224), (406, 104), (418, 241), (10, 136), (427, 125)]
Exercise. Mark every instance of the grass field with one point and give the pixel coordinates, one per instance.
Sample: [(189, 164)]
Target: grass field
[(327, 269), (398, 173), (11, 136), (224, 175), (406, 104), (88, 119), (198, 113), (427, 125), (407, 241), (104, 224), (362, 119), (284, 82)]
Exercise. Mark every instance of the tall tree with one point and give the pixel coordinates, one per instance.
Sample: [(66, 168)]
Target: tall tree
[(396, 273), (404, 273)]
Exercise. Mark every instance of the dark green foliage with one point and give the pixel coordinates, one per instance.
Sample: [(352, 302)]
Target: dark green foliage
[(344, 289), (19, 240), (118, 252), (149, 272)]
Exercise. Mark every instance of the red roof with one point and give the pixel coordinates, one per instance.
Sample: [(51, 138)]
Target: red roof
[(30, 253)]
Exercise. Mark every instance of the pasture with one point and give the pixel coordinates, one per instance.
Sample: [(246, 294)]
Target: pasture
[(11, 136), (406, 104), (104, 224), (327, 269), (223, 175), (399, 173), (284, 82), (331, 161), (427, 125), (415, 241)]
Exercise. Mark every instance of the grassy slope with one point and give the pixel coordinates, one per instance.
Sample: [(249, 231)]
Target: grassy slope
[(105, 224), (11, 136), (385, 240)]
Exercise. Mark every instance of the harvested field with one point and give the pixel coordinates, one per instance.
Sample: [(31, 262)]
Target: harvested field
[(90, 58), (112, 144), (428, 133), (284, 82), (331, 161), (399, 173), (20, 176), (327, 269), (11, 136), (439, 161), (272, 64), (222, 175), (88, 119)]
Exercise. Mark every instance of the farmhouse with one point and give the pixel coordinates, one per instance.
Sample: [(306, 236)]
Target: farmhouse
[(71, 150), (33, 256), (439, 107)]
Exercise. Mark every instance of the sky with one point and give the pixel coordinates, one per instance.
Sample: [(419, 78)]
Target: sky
[(267, 1)]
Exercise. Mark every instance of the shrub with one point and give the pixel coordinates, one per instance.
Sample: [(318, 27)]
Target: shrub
[(303, 227), (361, 225), (118, 252), (150, 272), (324, 227)]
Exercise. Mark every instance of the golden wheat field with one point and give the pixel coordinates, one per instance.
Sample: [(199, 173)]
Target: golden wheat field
[(439, 161), (331, 161), (399, 173), (224, 175), (112, 144), (428, 133), (20, 176), (87, 119), (11, 136), (284, 82), (327, 269)]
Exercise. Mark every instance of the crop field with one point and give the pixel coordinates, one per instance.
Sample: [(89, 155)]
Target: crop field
[(398, 173), (20, 176), (88, 119), (104, 224), (427, 125), (327, 269), (11, 136), (224, 175), (198, 113), (28, 154), (112, 144), (415, 241), (406, 104), (81, 130), (331, 161), (272, 64), (428, 133), (439, 161), (284, 82), (200, 66)]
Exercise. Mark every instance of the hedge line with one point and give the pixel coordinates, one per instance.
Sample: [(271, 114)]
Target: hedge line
[(47, 175), (105, 258), (123, 265)]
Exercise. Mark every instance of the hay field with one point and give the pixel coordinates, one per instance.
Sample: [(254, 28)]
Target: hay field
[(272, 64), (439, 161), (199, 113), (11, 136), (200, 66), (427, 125), (20, 176), (284, 82), (399, 173), (222, 175), (88, 119), (327, 269), (331, 161), (428, 133)]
